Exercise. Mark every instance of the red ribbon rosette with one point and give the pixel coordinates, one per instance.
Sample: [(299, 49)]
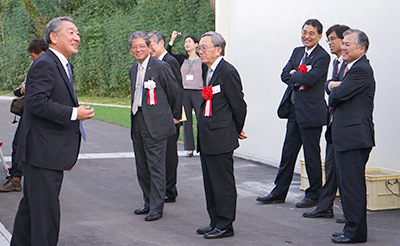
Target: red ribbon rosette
[(207, 94), (303, 69)]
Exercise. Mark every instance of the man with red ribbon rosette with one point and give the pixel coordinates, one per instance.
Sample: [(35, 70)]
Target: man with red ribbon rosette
[(154, 97), (304, 106), (220, 125)]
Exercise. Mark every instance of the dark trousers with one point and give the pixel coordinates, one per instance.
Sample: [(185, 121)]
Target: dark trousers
[(295, 138), (220, 189), (327, 194), (191, 100), (351, 172), (37, 222), (171, 164), (150, 157), (15, 170)]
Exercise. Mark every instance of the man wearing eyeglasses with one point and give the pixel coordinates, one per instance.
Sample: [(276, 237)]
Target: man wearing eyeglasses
[(220, 125), (328, 191), (304, 106), (154, 96)]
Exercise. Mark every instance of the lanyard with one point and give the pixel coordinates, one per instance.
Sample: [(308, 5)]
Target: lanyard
[(190, 64)]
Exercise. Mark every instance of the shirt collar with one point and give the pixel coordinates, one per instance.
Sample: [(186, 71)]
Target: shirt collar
[(162, 55), (310, 51), (352, 63), (215, 64), (60, 56), (145, 62)]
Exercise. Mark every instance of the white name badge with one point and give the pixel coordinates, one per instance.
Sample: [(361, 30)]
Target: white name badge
[(189, 77), (309, 67), (216, 89)]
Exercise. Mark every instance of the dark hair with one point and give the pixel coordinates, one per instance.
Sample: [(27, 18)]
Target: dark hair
[(361, 38), (314, 23), (195, 40), (54, 26), (37, 46), (338, 29)]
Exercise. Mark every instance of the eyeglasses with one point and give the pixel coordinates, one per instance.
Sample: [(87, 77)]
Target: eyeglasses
[(304, 33), (331, 39), (138, 47), (203, 48)]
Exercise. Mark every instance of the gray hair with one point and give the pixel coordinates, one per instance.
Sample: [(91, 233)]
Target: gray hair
[(217, 40), (157, 36), (54, 26), (361, 38), (139, 34)]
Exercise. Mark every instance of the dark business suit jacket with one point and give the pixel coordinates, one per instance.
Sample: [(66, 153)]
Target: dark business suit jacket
[(352, 102), (219, 134), (176, 70), (310, 105), (158, 118), (49, 139)]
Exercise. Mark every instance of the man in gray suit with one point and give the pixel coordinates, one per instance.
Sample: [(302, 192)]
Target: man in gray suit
[(352, 100), (154, 96)]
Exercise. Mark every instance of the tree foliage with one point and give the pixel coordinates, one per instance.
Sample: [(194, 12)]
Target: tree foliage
[(101, 66)]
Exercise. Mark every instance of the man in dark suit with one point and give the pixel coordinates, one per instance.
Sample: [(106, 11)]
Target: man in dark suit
[(220, 124), (352, 100), (154, 97), (327, 193), (157, 41), (304, 106), (50, 135)]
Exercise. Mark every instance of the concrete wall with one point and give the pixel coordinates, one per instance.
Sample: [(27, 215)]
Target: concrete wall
[(261, 35)]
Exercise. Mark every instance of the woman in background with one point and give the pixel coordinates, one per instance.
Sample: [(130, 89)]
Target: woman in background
[(191, 70)]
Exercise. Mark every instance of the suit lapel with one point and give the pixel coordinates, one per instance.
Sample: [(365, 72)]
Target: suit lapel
[(216, 73)]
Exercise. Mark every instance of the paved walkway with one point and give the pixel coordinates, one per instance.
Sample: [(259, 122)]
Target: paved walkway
[(99, 195)]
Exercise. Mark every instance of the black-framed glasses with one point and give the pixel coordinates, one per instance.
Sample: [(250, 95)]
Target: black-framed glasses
[(331, 39)]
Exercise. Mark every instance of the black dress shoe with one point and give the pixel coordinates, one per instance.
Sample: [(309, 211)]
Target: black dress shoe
[(341, 219), (189, 154), (143, 210), (319, 213), (270, 199), (169, 199), (337, 234), (217, 233), (306, 203), (153, 216), (344, 239), (205, 230)]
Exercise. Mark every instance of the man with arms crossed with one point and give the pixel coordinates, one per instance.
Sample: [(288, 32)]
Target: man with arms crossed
[(353, 137), (327, 193), (304, 106)]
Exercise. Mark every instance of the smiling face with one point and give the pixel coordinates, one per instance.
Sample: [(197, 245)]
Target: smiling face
[(156, 50), (310, 36), (66, 40), (335, 43), (350, 49), (208, 52), (139, 49)]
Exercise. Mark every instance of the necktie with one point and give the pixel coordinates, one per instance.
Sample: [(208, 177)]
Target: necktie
[(335, 67), (345, 71), (138, 91), (304, 58), (71, 80), (209, 73)]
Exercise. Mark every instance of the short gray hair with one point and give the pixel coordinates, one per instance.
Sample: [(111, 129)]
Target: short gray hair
[(217, 40), (157, 36), (54, 26), (139, 34), (361, 38)]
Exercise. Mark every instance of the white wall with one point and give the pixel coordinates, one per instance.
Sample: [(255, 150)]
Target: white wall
[(261, 35)]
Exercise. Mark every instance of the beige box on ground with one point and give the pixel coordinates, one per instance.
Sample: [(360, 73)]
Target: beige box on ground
[(383, 188)]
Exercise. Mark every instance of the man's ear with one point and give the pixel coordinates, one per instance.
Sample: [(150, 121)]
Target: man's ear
[(53, 37)]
